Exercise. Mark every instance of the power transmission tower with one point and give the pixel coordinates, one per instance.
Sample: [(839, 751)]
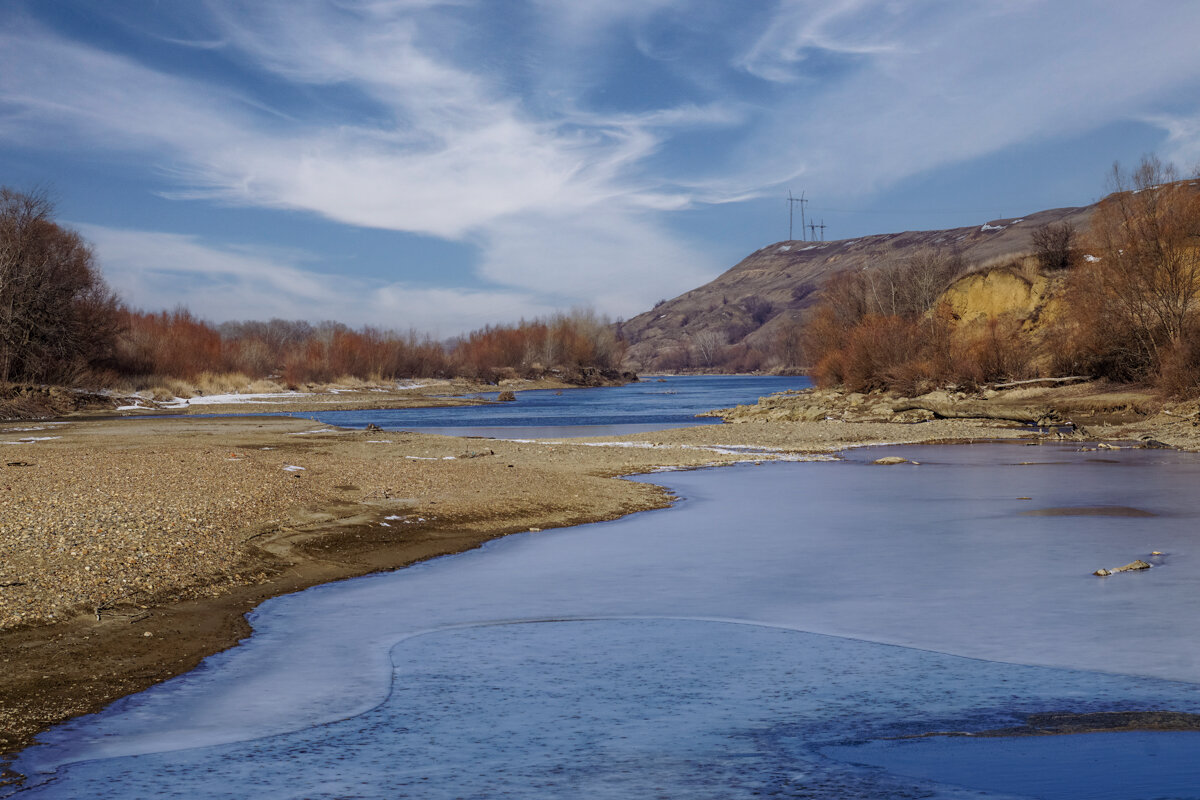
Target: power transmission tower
[(792, 204), (812, 229), (822, 227)]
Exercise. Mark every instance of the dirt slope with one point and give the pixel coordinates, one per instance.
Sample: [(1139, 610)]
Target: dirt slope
[(756, 299)]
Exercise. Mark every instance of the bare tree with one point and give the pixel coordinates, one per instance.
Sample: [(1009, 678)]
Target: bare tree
[(1054, 246), (759, 308), (56, 314), (706, 346), (1141, 289), (789, 342), (911, 287)]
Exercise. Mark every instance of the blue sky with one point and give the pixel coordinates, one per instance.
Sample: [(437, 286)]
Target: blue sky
[(444, 164)]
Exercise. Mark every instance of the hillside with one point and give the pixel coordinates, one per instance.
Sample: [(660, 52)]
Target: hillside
[(752, 305)]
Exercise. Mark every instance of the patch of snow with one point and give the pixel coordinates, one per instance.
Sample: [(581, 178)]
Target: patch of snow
[(386, 524), (447, 458), (227, 400), (1091, 258), (32, 439), (379, 441), (410, 385), (784, 248), (422, 458), (292, 468), (394, 516), (317, 430), (645, 445), (135, 407), (985, 228), (1015, 221)]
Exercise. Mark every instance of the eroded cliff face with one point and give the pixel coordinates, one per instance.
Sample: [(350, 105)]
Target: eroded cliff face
[(985, 295)]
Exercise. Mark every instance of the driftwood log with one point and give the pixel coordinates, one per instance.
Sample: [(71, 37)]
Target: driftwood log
[(1030, 415)]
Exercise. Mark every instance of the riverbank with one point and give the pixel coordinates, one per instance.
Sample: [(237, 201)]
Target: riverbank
[(1096, 411), (130, 552), (39, 402)]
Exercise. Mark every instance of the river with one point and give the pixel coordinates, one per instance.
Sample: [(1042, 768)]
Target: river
[(767, 636), (647, 405)]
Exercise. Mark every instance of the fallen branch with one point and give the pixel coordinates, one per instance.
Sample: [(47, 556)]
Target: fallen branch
[(965, 410), (1031, 381)]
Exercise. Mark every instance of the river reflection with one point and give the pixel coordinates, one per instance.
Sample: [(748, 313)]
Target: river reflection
[(712, 649)]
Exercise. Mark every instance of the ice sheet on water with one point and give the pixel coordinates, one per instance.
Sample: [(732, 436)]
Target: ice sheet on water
[(630, 708)]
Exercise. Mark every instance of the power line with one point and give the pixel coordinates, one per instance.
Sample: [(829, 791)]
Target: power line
[(791, 205)]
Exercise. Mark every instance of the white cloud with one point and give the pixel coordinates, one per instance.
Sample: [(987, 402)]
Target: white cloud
[(153, 270), (1183, 140), (854, 27), (609, 259)]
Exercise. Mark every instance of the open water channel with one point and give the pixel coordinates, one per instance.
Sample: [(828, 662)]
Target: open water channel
[(769, 636)]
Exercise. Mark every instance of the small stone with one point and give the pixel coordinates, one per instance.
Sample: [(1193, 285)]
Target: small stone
[(147, 633), (888, 460)]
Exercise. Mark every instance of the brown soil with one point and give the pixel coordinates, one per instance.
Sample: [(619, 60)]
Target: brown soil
[(1061, 723)]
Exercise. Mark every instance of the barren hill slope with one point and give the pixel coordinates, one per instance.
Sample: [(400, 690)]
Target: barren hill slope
[(753, 302)]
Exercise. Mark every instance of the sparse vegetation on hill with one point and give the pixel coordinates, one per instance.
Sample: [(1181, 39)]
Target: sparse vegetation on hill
[(751, 316)]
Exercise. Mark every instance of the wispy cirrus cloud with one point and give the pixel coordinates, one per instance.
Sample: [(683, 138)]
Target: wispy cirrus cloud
[(931, 85)]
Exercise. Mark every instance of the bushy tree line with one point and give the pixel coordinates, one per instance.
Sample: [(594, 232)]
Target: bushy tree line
[(176, 344), (59, 322)]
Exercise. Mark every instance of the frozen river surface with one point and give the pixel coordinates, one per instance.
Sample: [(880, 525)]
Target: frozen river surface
[(741, 644)]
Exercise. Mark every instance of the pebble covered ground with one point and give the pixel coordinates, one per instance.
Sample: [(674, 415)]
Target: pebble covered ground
[(83, 528)]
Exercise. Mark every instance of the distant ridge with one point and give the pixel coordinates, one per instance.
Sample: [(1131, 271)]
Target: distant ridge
[(772, 288)]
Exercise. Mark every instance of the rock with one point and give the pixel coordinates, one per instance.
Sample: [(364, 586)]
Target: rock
[(373, 428), (507, 396), (1132, 566), (887, 460)]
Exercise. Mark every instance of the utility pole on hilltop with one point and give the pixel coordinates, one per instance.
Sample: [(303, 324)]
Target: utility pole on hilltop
[(792, 204), (812, 229), (822, 227)]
